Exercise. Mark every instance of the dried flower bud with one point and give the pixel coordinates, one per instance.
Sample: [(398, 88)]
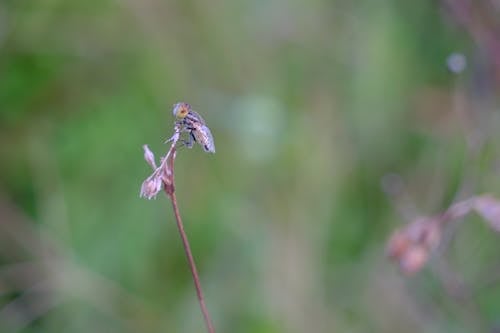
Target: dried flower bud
[(151, 186), (149, 156), (398, 245), (411, 246), (413, 260)]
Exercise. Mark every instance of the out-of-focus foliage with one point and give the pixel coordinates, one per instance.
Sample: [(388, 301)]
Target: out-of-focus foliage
[(334, 121)]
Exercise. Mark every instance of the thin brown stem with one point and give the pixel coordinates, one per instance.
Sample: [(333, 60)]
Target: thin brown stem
[(192, 265), (164, 174)]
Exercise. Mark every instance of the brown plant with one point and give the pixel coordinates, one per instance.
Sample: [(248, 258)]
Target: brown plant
[(163, 176), (411, 246)]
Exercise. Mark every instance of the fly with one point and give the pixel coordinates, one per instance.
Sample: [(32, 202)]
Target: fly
[(192, 123)]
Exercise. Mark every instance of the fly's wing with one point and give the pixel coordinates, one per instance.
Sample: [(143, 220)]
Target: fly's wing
[(204, 137), (210, 144)]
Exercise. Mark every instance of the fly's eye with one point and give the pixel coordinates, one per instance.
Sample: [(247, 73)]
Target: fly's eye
[(181, 110)]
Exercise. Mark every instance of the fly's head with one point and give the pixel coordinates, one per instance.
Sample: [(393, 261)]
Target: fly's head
[(181, 110)]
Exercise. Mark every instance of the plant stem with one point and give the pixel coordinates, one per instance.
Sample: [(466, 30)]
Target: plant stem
[(192, 265)]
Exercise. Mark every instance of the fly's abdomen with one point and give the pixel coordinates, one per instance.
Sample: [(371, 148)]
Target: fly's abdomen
[(204, 137)]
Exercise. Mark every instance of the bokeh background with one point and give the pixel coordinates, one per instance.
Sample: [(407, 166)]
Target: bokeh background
[(335, 122)]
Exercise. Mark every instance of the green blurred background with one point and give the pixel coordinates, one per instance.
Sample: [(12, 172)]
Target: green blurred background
[(334, 123)]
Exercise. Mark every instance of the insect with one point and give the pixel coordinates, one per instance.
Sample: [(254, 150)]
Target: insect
[(195, 125)]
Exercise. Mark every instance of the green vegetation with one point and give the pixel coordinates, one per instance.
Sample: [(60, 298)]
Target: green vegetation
[(315, 107)]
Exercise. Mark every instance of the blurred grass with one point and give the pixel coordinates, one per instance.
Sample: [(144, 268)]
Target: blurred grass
[(311, 105)]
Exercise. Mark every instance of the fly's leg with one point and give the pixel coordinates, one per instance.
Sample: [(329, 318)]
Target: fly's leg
[(171, 139), (190, 142), (178, 130)]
